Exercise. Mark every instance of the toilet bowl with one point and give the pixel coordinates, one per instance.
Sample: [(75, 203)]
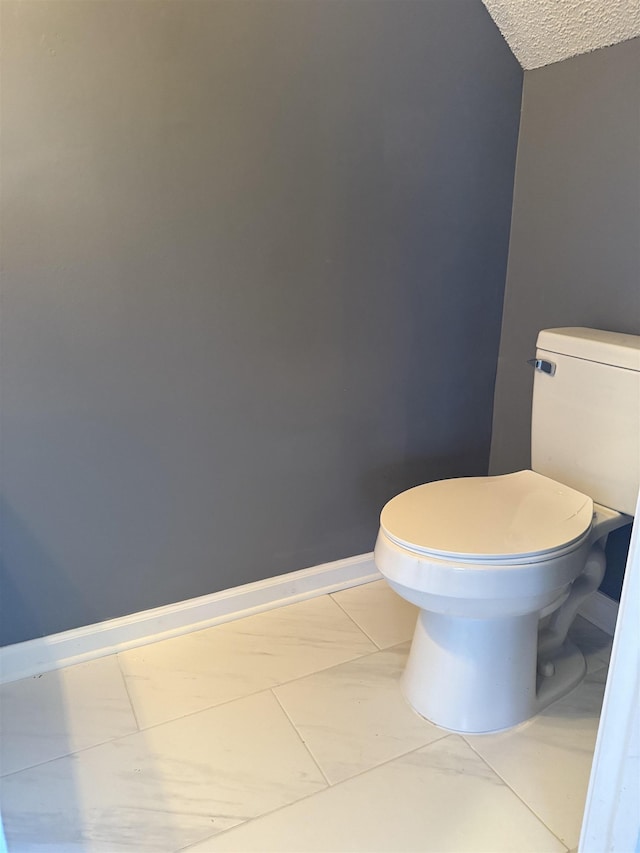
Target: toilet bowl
[(483, 558), (499, 566)]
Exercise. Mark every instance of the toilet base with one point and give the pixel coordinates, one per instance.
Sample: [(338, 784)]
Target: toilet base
[(475, 676)]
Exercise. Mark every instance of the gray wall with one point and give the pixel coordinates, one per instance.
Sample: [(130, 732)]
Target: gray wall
[(574, 256), (254, 266)]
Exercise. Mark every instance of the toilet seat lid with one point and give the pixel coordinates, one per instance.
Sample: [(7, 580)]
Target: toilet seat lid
[(513, 515)]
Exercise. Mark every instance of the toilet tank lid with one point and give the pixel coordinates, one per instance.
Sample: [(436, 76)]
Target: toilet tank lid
[(612, 348)]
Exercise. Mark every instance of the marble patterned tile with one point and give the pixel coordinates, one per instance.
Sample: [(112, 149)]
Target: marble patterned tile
[(56, 713), (353, 717), (594, 643), (380, 612), (163, 788), (547, 761), (184, 674), (438, 799)]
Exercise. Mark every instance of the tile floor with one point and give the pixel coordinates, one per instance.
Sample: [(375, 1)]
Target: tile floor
[(284, 731)]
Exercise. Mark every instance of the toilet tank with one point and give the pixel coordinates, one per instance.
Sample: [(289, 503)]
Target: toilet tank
[(585, 427)]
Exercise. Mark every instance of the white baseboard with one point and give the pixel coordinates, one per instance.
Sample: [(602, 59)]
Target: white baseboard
[(601, 611), (43, 654)]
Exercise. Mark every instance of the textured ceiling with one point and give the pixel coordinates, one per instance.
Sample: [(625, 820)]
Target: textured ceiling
[(543, 31)]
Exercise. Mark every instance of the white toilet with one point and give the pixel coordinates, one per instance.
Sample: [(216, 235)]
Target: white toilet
[(500, 565)]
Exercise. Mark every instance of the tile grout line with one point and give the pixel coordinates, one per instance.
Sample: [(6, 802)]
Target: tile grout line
[(4, 776), (355, 657), (72, 752), (128, 692), (359, 627), (331, 786), (272, 690), (515, 793), (259, 690), (495, 770), (143, 729)]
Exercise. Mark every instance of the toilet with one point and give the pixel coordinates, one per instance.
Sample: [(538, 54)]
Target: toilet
[(499, 566)]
